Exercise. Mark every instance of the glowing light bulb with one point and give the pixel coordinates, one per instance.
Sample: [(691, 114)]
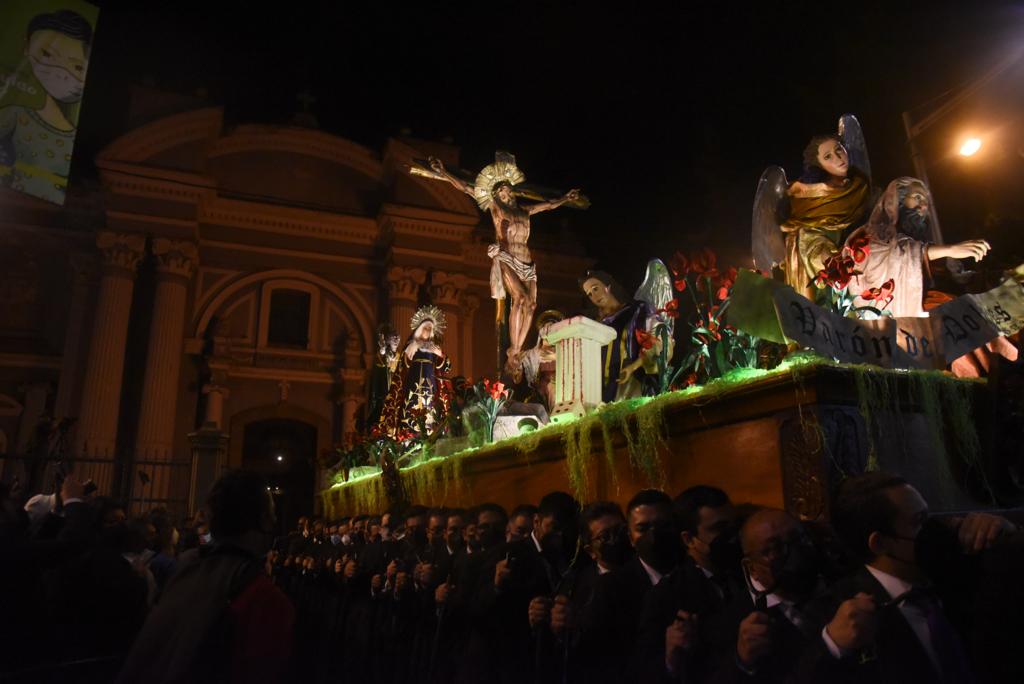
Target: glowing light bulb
[(970, 147)]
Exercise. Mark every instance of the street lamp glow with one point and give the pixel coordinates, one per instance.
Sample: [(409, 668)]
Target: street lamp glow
[(970, 147), (280, 457)]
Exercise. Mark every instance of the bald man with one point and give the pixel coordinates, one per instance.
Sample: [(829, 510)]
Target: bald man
[(772, 632)]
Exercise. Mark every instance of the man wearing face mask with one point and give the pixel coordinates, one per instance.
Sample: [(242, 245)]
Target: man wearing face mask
[(771, 631), (606, 541), (920, 583), (220, 617), (609, 626), (514, 574), (679, 610)]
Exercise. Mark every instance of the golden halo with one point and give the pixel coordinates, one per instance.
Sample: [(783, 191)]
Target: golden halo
[(503, 169), (429, 313)]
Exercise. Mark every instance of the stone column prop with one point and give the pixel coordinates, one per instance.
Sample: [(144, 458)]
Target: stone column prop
[(175, 262), (84, 273), (96, 431), (209, 447), (403, 296), (445, 291), (578, 341)]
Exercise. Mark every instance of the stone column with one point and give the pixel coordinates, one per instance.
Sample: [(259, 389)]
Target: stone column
[(96, 432), (578, 341), (403, 295), (445, 291), (470, 303), (84, 273), (215, 396), (209, 445), (154, 441)]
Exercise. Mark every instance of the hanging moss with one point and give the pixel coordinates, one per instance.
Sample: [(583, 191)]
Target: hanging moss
[(528, 443), (577, 445), (876, 394)]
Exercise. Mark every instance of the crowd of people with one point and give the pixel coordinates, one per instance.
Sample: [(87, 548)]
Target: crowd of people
[(694, 588)]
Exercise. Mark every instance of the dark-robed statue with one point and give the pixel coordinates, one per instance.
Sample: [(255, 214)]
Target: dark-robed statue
[(418, 396)]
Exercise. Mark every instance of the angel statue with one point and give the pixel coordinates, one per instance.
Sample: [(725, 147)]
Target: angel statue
[(629, 370), (799, 225), (418, 395), (513, 272)]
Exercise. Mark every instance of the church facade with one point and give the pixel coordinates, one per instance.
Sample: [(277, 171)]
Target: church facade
[(213, 301)]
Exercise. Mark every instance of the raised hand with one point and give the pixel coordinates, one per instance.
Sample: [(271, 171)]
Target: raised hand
[(754, 641), (854, 624)]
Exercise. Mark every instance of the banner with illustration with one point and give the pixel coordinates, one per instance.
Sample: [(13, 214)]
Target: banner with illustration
[(773, 311), (44, 57)]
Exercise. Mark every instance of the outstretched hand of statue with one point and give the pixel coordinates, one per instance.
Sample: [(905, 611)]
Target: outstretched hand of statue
[(572, 195), (437, 165), (969, 249)]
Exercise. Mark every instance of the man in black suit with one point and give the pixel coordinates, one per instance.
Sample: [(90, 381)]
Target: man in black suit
[(900, 628), (772, 630), (512, 575), (607, 629), (697, 590)]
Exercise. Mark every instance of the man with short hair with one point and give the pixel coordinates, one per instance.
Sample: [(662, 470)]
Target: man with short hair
[(520, 522), (678, 611), (608, 627), (897, 616)]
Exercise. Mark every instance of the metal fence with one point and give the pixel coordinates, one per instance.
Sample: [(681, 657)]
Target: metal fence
[(131, 481)]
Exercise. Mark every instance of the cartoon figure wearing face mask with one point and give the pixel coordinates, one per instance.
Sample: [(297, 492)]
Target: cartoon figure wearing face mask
[(36, 139)]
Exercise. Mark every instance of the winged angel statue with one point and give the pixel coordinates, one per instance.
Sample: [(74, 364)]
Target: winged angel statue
[(799, 225)]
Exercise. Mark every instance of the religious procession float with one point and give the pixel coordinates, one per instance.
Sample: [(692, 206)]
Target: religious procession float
[(828, 354)]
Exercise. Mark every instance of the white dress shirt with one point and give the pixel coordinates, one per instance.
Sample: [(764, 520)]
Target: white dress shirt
[(651, 572), (915, 617)]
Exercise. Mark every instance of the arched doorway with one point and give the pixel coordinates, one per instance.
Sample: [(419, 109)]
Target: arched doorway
[(284, 451)]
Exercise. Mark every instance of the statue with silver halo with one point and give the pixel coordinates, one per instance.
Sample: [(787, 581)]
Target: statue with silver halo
[(497, 190), (418, 396)]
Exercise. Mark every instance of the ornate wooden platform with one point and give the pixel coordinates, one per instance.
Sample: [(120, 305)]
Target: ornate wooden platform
[(782, 438)]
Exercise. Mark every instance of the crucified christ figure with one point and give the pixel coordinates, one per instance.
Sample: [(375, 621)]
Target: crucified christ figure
[(513, 272)]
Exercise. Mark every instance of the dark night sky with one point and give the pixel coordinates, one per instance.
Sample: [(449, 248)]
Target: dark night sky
[(665, 115)]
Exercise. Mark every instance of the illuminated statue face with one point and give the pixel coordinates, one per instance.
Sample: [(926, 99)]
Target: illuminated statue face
[(832, 157), (916, 199), (59, 62), (600, 294), (505, 194), (393, 341), (425, 332)]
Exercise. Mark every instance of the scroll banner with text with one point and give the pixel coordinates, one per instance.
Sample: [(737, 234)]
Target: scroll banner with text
[(44, 56), (947, 333)]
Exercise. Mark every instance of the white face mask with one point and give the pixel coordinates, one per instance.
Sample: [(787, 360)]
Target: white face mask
[(57, 81), (206, 538), (346, 539)]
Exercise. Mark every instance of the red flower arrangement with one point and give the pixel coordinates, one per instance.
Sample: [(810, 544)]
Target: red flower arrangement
[(838, 271), (645, 339), (883, 295)]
